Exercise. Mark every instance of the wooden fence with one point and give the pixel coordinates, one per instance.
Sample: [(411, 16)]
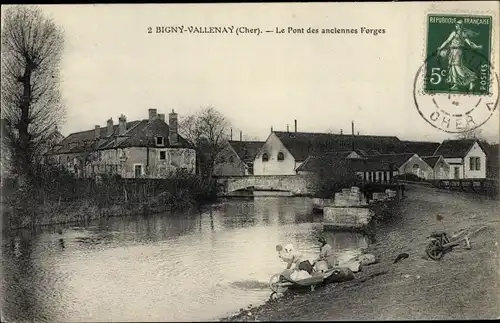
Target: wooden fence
[(488, 187)]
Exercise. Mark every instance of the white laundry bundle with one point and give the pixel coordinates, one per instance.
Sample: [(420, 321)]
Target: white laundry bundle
[(299, 275)]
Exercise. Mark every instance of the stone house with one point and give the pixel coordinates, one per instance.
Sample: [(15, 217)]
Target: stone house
[(283, 152), (467, 158), (237, 158), (148, 148)]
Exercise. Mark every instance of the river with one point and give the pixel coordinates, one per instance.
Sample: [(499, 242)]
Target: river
[(194, 267)]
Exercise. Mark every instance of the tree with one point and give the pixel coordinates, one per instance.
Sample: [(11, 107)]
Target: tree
[(470, 133), (31, 102), (208, 132), (332, 175)]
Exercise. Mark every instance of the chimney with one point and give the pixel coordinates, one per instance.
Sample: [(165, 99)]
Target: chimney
[(271, 128), (352, 126), (152, 114), (241, 136), (97, 131), (231, 133), (358, 133), (173, 136), (287, 128), (109, 127), (340, 131), (295, 125), (122, 124), (161, 116)]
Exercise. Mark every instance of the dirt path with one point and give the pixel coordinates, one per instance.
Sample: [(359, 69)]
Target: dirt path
[(463, 285)]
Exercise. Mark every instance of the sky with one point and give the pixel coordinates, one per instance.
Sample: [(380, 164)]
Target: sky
[(112, 65)]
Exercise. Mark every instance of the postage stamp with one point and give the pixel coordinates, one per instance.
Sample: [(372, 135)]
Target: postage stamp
[(456, 42), (456, 89)]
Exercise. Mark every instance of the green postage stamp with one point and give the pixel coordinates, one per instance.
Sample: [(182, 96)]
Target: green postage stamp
[(458, 54)]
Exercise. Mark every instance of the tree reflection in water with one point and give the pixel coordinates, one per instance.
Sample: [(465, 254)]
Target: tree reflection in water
[(21, 299)]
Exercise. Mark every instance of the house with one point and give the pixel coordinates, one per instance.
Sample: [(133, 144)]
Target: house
[(422, 148), (237, 158), (466, 157), (148, 148), (342, 163), (440, 168), (283, 152), (407, 163)]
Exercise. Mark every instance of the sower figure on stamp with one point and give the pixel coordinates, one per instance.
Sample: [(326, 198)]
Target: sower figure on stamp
[(459, 74)]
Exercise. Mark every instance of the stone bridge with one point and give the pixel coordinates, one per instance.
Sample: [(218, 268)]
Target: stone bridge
[(296, 184)]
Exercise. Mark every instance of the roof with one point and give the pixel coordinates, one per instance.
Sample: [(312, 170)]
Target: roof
[(431, 160), (246, 150), (456, 148), (139, 133), (303, 144), (330, 160), (396, 159), (422, 148)]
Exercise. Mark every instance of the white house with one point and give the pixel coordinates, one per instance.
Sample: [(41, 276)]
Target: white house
[(466, 157), (283, 152)]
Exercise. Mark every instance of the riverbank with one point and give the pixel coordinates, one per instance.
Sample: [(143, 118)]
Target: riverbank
[(463, 285), (75, 200)]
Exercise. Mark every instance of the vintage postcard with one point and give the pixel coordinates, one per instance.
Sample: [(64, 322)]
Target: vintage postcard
[(250, 162)]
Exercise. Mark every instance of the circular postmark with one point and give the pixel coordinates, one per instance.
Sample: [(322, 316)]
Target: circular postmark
[(456, 90)]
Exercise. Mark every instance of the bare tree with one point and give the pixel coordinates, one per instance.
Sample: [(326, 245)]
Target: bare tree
[(31, 102), (470, 133), (208, 132)]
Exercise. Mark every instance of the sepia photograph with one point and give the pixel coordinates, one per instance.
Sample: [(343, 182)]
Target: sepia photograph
[(250, 162)]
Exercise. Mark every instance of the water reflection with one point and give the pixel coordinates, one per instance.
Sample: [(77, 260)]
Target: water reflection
[(160, 268)]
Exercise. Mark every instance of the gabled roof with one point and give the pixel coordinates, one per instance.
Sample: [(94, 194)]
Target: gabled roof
[(431, 160), (456, 148), (139, 133), (422, 148), (303, 144), (246, 150)]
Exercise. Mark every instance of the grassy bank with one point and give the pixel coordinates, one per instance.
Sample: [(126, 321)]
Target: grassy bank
[(65, 199), (463, 285)]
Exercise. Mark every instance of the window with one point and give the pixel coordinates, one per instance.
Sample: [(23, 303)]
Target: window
[(159, 141), (281, 156), (265, 157), (138, 170), (163, 155), (416, 169), (474, 163)]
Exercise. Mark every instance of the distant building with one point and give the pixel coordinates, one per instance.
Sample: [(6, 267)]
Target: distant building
[(237, 158), (441, 169), (466, 157), (407, 163), (283, 152), (345, 162), (148, 148)]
